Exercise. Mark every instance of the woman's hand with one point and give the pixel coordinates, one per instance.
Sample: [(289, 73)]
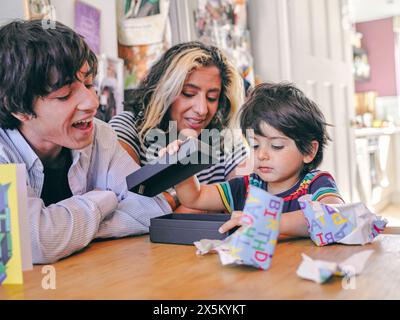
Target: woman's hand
[(236, 220), (172, 148)]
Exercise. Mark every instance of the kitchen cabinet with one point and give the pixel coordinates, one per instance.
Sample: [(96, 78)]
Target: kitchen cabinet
[(377, 177)]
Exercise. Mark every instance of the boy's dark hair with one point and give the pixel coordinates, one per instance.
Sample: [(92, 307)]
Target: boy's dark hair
[(288, 110), (35, 61)]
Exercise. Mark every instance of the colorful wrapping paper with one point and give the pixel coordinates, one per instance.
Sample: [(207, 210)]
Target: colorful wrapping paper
[(346, 224), (321, 271), (254, 244)]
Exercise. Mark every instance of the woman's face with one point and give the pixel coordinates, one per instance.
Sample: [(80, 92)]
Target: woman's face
[(197, 104)]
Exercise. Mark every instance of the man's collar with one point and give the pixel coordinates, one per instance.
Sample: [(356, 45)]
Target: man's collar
[(28, 155)]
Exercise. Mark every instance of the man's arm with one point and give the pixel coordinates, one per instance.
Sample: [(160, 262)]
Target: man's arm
[(132, 216), (67, 226), (60, 229), (133, 213)]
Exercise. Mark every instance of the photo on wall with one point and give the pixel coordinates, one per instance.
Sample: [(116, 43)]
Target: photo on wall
[(87, 23), (141, 22), (142, 8), (39, 9), (144, 34), (109, 85)]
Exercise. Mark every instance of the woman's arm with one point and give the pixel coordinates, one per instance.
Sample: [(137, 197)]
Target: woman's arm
[(125, 126), (131, 151), (242, 169), (238, 163)]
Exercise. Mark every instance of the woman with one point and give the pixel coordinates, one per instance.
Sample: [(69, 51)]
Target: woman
[(196, 87)]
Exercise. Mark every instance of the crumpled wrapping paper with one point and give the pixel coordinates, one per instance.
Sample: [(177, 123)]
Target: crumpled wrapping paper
[(347, 224), (254, 244), (321, 271)]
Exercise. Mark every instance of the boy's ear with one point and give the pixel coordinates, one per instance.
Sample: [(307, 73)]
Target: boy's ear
[(310, 157), (23, 117)]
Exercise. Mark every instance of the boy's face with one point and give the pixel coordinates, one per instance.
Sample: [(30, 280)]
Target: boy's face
[(64, 117), (276, 158)]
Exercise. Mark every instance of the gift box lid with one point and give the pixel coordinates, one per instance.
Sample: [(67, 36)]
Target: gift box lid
[(165, 172), (186, 228)]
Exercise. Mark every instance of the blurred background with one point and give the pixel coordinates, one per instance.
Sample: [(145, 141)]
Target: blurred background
[(344, 54)]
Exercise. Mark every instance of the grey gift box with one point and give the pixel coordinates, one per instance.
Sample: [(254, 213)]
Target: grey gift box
[(165, 172), (186, 228)]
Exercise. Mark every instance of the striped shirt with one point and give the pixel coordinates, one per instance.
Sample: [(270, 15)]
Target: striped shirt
[(125, 125), (62, 228), (319, 184)]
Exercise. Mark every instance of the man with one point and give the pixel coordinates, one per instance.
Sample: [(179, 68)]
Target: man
[(76, 169)]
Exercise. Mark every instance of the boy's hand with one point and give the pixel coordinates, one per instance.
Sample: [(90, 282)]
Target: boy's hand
[(236, 220)]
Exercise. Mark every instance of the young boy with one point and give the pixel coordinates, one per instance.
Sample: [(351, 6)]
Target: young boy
[(287, 136)]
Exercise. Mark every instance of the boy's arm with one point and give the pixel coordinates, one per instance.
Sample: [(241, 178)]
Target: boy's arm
[(202, 197), (190, 193), (294, 223), (324, 190)]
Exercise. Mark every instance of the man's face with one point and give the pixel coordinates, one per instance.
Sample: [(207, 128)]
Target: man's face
[(64, 118)]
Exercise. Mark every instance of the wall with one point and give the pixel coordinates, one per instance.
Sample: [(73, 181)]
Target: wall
[(379, 41), (108, 26), (13, 9), (270, 39), (10, 10)]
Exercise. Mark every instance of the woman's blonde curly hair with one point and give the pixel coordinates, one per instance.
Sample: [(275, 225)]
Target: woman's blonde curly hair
[(152, 99)]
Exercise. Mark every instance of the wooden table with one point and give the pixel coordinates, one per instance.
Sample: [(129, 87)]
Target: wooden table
[(135, 268)]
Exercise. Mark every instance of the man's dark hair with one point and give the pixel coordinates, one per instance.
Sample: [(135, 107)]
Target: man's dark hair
[(288, 110), (35, 61)]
